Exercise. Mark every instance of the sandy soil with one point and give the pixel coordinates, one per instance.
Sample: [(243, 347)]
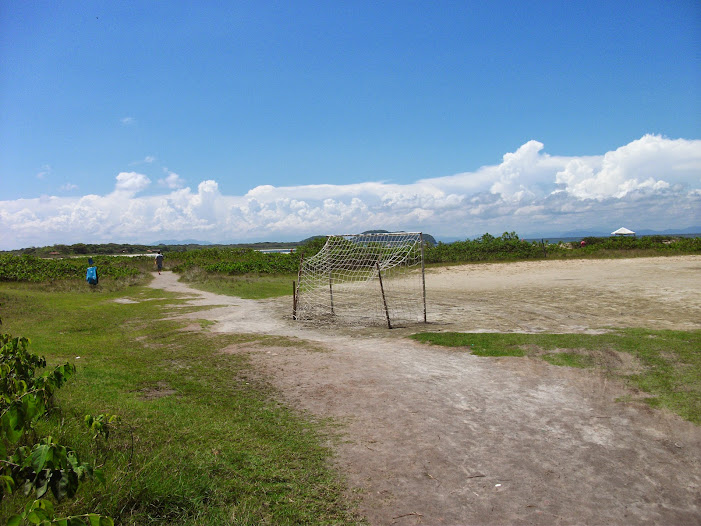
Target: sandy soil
[(433, 436)]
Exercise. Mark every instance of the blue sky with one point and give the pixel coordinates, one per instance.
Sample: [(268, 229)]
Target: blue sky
[(236, 121)]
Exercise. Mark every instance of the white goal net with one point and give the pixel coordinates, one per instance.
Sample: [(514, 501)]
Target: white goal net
[(364, 279)]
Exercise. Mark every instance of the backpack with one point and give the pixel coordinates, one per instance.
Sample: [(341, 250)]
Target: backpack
[(91, 276)]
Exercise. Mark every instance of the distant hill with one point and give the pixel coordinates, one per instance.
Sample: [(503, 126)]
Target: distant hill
[(182, 242), (307, 240), (690, 230), (428, 238), (638, 232), (79, 249)]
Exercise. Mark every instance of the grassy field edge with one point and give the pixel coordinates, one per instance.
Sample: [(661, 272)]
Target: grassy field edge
[(665, 365), (202, 437)]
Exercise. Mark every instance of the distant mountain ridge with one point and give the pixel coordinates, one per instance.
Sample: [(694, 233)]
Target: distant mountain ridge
[(428, 238), (579, 234), (181, 242), (640, 232), (188, 244), (450, 239)]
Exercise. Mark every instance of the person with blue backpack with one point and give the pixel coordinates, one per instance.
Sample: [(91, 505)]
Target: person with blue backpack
[(91, 276)]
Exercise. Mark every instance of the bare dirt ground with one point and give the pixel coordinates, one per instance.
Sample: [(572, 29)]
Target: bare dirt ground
[(436, 436)]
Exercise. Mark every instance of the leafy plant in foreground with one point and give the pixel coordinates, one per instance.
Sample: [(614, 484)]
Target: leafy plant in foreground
[(44, 466), (101, 424), (41, 512)]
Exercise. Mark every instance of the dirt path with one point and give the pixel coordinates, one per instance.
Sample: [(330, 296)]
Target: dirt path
[(432, 436)]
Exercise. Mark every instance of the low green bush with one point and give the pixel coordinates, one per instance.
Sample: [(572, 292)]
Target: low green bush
[(39, 466)]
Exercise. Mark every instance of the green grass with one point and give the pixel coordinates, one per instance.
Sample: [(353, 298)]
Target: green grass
[(247, 286), (664, 364), (201, 440), (569, 359)]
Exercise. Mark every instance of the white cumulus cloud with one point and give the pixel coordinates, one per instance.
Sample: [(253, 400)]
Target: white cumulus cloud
[(653, 182), (172, 181), (44, 172), (650, 163), (131, 182)]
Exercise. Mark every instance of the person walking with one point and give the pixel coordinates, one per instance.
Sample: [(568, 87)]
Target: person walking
[(159, 262)]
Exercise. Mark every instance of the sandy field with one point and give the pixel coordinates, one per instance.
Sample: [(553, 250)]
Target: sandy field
[(435, 436)]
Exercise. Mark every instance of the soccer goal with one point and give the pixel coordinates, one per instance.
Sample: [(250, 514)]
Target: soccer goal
[(363, 279)]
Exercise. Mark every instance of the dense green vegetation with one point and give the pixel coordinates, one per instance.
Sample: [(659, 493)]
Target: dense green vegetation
[(201, 438), (205, 265), (509, 247), (110, 249), (245, 273), (34, 269), (666, 366), (233, 261), (665, 244), (488, 248)]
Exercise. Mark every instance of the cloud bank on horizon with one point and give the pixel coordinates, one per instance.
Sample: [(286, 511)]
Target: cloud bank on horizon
[(650, 183)]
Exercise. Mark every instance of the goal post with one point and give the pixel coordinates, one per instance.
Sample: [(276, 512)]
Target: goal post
[(364, 279)]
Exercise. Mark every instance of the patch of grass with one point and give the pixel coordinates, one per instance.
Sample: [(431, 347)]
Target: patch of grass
[(107, 284), (481, 344), (206, 323), (247, 286), (201, 440), (568, 359), (664, 364)]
